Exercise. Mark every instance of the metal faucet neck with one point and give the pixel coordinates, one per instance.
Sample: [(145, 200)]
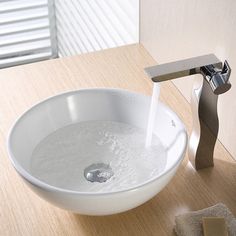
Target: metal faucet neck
[(208, 65)]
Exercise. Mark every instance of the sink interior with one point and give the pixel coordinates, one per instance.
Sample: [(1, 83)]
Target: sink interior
[(93, 141), (97, 156)]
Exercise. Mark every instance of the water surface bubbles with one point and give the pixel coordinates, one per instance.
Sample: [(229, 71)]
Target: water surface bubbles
[(97, 156)]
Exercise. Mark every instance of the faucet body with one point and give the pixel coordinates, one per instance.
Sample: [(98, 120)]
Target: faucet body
[(203, 101)]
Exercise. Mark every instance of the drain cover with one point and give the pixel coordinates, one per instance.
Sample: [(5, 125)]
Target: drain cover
[(98, 172)]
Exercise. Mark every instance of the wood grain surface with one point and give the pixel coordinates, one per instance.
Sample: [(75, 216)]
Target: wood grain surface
[(24, 213)]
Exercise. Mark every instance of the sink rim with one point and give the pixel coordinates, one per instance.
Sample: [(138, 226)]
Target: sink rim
[(39, 183)]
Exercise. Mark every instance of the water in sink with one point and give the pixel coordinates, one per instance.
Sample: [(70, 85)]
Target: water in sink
[(111, 150)]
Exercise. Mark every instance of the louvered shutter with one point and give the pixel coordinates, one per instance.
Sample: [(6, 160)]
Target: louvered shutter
[(27, 31)]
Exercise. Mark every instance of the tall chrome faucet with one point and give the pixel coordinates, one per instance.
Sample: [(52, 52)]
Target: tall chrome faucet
[(204, 101)]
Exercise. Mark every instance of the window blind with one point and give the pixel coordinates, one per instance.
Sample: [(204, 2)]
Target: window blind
[(27, 31)]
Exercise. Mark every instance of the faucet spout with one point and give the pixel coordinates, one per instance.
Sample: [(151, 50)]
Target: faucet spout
[(204, 101)]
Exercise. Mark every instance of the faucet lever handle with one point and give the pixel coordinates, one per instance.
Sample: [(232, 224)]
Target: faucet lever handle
[(226, 71), (219, 81)]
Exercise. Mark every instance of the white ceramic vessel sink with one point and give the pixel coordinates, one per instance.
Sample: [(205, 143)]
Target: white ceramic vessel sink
[(59, 146)]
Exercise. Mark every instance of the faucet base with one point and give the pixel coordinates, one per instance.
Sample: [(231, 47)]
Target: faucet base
[(205, 125)]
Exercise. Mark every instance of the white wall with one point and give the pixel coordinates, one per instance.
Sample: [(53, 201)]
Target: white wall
[(90, 25), (172, 30)]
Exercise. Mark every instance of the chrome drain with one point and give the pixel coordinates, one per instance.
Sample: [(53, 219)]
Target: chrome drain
[(98, 172)]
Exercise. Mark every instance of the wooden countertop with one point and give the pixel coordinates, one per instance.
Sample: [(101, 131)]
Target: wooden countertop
[(24, 213)]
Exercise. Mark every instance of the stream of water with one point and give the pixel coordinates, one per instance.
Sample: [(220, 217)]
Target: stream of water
[(152, 114)]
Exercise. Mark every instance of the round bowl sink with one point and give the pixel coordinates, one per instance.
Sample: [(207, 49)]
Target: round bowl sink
[(84, 150)]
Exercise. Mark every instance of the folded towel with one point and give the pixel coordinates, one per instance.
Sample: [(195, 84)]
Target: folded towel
[(190, 224)]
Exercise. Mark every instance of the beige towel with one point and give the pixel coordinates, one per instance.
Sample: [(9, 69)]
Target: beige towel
[(190, 224)]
